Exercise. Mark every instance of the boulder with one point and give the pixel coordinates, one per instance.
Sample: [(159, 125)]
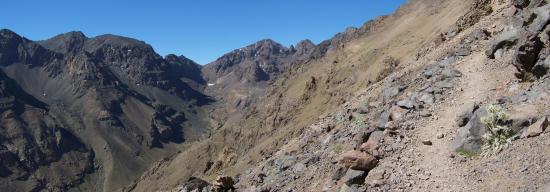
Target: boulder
[(406, 103), (358, 160), (285, 162), (542, 17), (397, 113), (537, 128), (371, 146), (463, 51), (426, 98), (470, 136), (450, 73), (383, 119), (526, 54), (507, 38), (354, 177), (464, 116), (390, 92)]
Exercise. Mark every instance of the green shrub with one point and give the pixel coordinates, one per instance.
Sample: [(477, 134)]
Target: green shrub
[(497, 134)]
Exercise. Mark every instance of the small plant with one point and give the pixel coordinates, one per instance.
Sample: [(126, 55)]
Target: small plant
[(358, 122), (497, 134), (338, 148), (467, 153)]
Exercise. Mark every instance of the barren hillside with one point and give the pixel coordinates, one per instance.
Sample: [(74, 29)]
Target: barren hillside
[(442, 95), (392, 101)]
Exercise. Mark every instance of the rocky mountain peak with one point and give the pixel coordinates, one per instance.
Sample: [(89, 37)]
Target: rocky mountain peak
[(7, 34), (304, 47), (109, 41), (70, 42), (266, 55), (14, 48)]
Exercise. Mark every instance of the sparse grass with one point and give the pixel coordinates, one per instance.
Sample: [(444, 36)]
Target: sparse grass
[(357, 121), (338, 148), (467, 153), (497, 134), (272, 171)]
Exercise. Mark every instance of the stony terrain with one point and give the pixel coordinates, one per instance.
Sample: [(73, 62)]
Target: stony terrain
[(418, 128), (398, 104)]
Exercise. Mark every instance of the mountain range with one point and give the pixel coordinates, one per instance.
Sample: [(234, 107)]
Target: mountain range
[(398, 104)]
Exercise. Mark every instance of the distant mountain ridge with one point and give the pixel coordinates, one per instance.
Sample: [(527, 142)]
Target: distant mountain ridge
[(99, 91)]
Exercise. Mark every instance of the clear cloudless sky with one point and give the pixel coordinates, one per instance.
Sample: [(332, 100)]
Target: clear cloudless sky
[(202, 30)]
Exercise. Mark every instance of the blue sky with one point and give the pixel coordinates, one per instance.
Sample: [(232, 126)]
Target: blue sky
[(202, 30)]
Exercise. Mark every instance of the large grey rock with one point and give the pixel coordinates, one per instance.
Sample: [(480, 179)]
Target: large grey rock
[(431, 71), (426, 98), (354, 177), (541, 20), (406, 103), (463, 51), (384, 119), (505, 39), (450, 73), (469, 137), (466, 113), (285, 162), (447, 62), (390, 92)]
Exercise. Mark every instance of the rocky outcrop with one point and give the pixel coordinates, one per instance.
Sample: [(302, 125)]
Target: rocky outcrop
[(33, 141), (469, 137), (357, 160), (528, 37)]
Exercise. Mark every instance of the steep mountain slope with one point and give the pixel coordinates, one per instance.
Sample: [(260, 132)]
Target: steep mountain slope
[(398, 104), (123, 104), (376, 109), (332, 73)]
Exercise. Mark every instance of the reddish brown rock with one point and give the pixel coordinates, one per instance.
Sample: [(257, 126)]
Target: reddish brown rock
[(358, 160), (370, 147)]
